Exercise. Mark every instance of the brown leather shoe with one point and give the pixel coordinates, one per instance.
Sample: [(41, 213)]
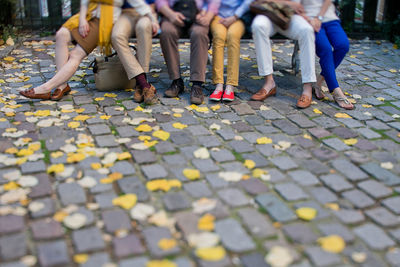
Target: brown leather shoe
[(150, 95), (138, 95), (262, 94), (30, 93), (304, 101), (176, 87), (58, 93)]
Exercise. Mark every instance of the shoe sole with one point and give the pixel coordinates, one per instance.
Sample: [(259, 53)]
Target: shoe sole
[(172, 96), (64, 94), (215, 99), (228, 99)]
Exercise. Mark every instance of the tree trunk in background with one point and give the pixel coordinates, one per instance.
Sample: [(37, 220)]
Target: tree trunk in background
[(370, 7), (55, 13)]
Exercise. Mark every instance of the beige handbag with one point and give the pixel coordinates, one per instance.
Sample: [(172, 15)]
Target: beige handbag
[(109, 74)]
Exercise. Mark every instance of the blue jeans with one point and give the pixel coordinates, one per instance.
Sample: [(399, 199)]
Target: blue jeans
[(331, 35)]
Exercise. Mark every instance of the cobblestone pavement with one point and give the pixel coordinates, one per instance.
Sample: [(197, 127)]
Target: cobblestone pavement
[(214, 185)]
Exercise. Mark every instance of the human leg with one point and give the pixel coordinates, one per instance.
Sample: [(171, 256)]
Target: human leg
[(169, 45), (235, 33), (263, 28), (219, 32), (63, 38), (144, 35)]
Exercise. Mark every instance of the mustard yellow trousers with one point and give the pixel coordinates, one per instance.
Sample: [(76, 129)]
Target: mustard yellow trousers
[(231, 37)]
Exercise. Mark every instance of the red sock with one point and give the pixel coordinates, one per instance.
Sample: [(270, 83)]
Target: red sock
[(142, 81)]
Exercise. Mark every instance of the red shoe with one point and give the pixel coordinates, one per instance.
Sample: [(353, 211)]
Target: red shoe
[(216, 95), (228, 96)]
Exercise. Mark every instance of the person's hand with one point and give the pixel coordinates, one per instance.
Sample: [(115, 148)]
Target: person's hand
[(316, 24), (177, 18), (228, 21), (205, 20), (298, 8), (83, 28), (155, 26)]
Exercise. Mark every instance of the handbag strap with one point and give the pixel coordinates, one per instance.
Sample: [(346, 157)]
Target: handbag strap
[(93, 64)]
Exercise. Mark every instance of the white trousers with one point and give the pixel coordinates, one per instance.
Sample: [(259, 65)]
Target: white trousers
[(299, 29)]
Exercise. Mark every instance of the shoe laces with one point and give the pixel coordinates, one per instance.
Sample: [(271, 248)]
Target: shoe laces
[(197, 91)]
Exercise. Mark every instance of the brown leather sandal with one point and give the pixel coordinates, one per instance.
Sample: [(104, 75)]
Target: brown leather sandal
[(58, 93), (30, 93), (339, 99)]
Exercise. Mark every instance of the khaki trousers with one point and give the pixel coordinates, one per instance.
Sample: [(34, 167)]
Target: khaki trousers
[(130, 23), (170, 34), (231, 37)]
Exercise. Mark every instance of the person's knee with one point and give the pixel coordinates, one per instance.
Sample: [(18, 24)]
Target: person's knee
[(143, 25), (118, 38), (168, 31), (259, 25), (323, 48), (77, 54), (62, 34), (198, 33), (233, 37), (343, 46), (306, 31), (219, 37)]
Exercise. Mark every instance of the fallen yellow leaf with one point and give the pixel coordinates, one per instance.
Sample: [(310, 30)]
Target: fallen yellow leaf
[(306, 213), (163, 135), (317, 111), (81, 258), (264, 140), (249, 164), (206, 223), (366, 106), (332, 243), (112, 95), (144, 138), (350, 141), (81, 118), (191, 174), (380, 98), (56, 168), (161, 263), (332, 206), (257, 173), (9, 59), (124, 156), (211, 254), (59, 216), (179, 125), (125, 201), (167, 244), (342, 115), (163, 184), (105, 117), (144, 128), (95, 166), (10, 186), (215, 107)]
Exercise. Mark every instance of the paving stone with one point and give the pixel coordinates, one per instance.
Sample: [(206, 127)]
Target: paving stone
[(48, 208), (287, 127), (336, 229), (186, 222), (233, 236), (253, 259), (344, 133), (33, 167), (349, 170), (127, 131), (350, 216), (165, 147), (320, 257), (197, 189), (115, 220), (336, 144), (123, 167), (53, 254), (106, 141), (181, 138), (233, 197), (46, 229), (254, 186), (375, 189), (11, 223), (326, 122), (153, 235), (381, 174), (154, 171), (393, 257), (127, 245), (205, 165), (226, 134), (144, 156), (374, 236), (71, 193), (383, 217), (215, 181), (132, 185), (377, 125), (256, 223), (304, 177), (300, 233), (99, 129), (368, 133), (243, 109), (255, 120), (396, 234), (393, 204), (13, 246), (241, 126), (351, 123), (87, 240), (259, 160), (97, 259), (275, 208), (222, 155), (284, 163), (322, 213), (268, 150), (358, 198), (176, 201), (336, 182), (291, 192), (209, 141), (304, 142), (323, 195), (137, 261), (241, 146), (301, 120), (43, 188), (319, 132)]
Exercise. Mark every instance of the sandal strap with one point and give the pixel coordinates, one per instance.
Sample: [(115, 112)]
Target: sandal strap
[(344, 99)]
